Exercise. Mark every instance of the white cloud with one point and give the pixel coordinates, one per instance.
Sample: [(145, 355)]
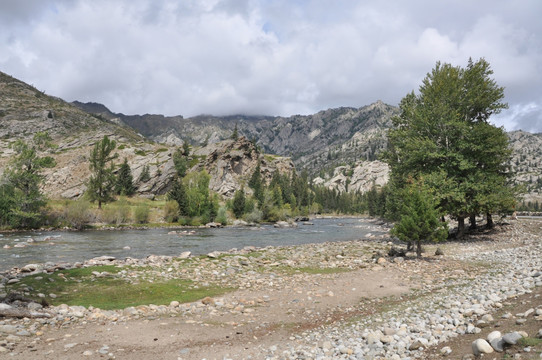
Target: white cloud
[(259, 57)]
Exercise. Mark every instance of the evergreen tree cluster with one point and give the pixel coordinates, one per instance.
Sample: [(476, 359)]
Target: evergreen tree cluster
[(443, 144), (21, 200)]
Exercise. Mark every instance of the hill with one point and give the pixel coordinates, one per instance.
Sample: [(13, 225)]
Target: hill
[(24, 110)]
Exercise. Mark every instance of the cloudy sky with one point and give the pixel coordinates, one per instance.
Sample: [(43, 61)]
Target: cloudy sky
[(272, 57)]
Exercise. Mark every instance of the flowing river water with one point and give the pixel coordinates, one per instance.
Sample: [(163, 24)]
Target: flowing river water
[(21, 248)]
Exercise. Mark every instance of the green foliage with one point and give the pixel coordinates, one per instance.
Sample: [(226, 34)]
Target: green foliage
[(419, 218), (102, 180), (442, 135), (254, 216), (81, 287), (140, 152), (235, 134), (171, 211), (22, 199), (124, 182), (178, 194), (77, 214), (141, 214), (180, 163), (256, 184), (222, 216), (116, 213), (145, 174), (238, 205)]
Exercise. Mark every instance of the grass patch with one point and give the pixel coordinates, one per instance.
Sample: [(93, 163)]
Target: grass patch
[(81, 287), (529, 341)]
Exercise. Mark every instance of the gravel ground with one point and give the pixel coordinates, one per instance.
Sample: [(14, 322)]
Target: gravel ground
[(381, 308)]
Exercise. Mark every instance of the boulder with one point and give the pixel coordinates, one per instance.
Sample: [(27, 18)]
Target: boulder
[(480, 346)]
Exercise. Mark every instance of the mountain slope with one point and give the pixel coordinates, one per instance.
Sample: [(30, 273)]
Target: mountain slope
[(25, 110), (315, 142)]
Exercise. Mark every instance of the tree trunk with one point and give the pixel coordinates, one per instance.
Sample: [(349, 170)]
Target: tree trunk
[(490, 224), (419, 249), (472, 220), (460, 228)]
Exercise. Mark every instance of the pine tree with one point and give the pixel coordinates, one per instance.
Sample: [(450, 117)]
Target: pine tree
[(125, 181), (102, 180), (256, 184), (238, 206), (145, 174), (420, 219), (178, 194), (23, 198)]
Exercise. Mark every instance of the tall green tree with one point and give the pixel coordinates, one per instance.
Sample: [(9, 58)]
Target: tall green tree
[(420, 217), (443, 135), (125, 181), (102, 181), (238, 205), (22, 181), (180, 162), (256, 184)]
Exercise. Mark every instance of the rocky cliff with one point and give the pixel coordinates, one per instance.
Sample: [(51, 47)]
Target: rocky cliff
[(231, 163), (25, 110)]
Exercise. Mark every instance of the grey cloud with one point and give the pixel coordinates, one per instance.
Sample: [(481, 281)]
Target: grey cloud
[(260, 57)]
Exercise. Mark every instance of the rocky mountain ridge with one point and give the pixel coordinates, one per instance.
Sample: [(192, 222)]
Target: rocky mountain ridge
[(317, 142), (25, 110)]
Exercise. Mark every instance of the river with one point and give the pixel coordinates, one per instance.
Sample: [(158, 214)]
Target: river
[(21, 248)]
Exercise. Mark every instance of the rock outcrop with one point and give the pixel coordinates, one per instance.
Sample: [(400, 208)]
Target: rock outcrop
[(231, 163), (358, 178)]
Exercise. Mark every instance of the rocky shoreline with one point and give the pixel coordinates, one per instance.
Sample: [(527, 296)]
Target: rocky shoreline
[(451, 295)]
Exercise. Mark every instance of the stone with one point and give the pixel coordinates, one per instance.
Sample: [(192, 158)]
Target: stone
[(381, 261), (493, 335), (8, 329), (439, 252), (213, 255), (511, 338), (416, 345), (30, 268), (497, 344), (480, 346), (4, 306), (208, 301), (185, 255), (445, 351)]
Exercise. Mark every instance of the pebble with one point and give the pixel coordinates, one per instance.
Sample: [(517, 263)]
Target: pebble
[(465, 306)]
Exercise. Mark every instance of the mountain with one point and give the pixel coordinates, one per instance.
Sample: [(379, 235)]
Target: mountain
[(24, 110), (317, 142), (338, 147)]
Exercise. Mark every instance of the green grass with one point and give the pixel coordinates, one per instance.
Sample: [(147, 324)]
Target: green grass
[(80, 287), (529, 341)]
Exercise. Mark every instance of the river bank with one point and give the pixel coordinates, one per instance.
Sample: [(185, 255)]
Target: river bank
[(374, 307)]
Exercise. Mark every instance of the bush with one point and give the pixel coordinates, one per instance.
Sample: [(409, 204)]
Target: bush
[(222, 216), (77, 214), (116, 213), (171, 211), (141, 214), (255, 216)]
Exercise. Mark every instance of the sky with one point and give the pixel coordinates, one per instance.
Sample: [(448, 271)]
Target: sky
[(268, 57)]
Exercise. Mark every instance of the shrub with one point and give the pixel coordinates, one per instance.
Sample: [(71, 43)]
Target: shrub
[(116, 213), (222, 216), (171, 211), (141, 214), (255, 216), (77, 213)]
